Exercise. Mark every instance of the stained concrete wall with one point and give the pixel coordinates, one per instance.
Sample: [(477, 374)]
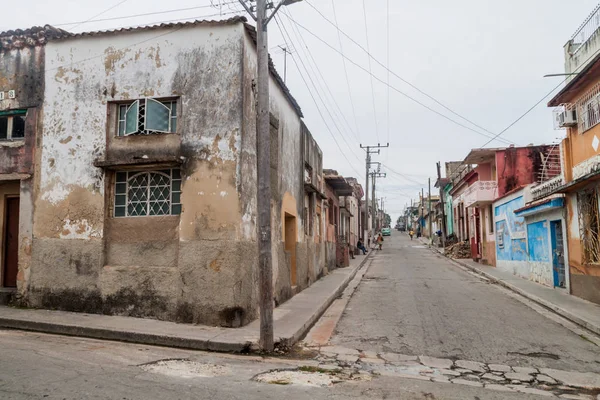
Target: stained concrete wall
[(22, 70), (196, 267)]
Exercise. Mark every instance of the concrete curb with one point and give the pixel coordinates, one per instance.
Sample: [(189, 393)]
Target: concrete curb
[(300, 333), (221, 342), (124, 336), (546, 304)]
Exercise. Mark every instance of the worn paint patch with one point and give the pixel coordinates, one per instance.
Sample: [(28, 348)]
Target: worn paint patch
[(79, 230)]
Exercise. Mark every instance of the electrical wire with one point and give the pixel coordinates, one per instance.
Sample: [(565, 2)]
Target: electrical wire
[(393, 87), (91, 20), (396, 75), (345, 71), (317, 91), (540, 100), (97, 15), (372, 89), (298, 34), (279, 25)]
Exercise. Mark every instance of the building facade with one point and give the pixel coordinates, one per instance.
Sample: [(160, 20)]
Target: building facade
[(137, 183)]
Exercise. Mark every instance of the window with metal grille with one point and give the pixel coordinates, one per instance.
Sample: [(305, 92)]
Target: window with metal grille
[(148, 193), (589, 225), (147, 117), (12, 124)]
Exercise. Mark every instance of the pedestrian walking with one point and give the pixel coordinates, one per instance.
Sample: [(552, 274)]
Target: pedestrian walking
[(380, 241)]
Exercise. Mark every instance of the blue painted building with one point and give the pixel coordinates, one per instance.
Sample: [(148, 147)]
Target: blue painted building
[(530, 238)]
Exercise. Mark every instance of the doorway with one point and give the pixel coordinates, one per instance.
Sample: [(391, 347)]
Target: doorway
[(11, 242), (558, 258), (290, 244)]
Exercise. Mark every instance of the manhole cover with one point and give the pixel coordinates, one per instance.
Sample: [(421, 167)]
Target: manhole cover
[(296, 377), (185, 369)]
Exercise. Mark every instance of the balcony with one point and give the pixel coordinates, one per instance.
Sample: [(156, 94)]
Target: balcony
[(546, 188), (583, 44), (481, 193)]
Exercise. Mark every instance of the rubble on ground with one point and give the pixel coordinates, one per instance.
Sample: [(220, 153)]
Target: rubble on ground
[(458, 250)]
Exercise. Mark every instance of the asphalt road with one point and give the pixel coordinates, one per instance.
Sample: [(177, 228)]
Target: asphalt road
[(414, 301), (39, 366)]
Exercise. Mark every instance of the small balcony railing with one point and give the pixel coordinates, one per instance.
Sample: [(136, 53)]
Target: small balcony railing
[(481, 193), (589, 27), (545, 188)]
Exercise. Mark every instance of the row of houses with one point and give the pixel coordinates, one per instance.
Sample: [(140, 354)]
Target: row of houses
[(128, 175), (534, 210)]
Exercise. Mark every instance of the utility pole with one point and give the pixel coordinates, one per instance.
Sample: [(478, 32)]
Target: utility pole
[(285, 53), (376, 175), (429, 197), (439, 173), (369, 150), (263, 160), (422, 219)]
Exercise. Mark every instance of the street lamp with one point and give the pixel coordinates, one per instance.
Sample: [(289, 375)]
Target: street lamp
[(263, 161)]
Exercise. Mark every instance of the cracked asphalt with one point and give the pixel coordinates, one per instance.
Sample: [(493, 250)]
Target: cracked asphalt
[(40, 366), (416, 302)]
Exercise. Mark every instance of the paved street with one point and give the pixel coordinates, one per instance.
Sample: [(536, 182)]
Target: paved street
[(413, 301), (41, 366)]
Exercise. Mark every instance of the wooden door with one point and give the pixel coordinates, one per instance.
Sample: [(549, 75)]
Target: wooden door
[(11, 242)]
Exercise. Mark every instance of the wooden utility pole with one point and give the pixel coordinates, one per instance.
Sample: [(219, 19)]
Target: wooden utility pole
[(429, 198), (444, 227), (422, 220), (263, 161)]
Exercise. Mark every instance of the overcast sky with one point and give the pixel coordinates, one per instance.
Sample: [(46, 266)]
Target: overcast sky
[(483, 59)]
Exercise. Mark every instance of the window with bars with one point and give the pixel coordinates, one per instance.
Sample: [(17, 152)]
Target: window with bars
[(147, 193), (12, 124), (147, 117), (589, 225)]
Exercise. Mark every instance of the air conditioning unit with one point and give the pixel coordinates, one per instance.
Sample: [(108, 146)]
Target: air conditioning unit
[(567, 118)]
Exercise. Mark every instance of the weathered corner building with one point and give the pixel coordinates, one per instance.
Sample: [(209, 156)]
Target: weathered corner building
[(135, 187), (22, 68)]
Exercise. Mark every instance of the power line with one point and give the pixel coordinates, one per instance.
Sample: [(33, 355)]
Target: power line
[(372, 89), (97, 15), (540, 100), (398, 76), (392, 87), (91, 20), (315, 86), (388, 70), (345, 70), (276, 18), (301, 39)]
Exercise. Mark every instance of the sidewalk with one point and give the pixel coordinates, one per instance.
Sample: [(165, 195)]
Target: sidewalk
[(582, 312), (291, 320)]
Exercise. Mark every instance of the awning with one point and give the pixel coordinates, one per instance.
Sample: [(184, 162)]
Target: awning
[(340, 186), (540, 206), (310, 188)]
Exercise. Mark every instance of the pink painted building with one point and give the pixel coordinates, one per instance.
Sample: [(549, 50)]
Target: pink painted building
[(490, 174)]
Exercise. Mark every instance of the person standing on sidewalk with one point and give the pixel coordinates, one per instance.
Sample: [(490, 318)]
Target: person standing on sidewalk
[(380, 241)]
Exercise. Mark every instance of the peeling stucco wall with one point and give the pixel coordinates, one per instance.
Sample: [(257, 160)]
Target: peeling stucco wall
[(288, 182), (196, 267), (22, 70)]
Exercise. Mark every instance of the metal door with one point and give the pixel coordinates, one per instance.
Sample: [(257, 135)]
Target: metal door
[(11, 242), (558, 259)]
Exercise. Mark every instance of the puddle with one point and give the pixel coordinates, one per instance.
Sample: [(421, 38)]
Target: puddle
[(185, 369)]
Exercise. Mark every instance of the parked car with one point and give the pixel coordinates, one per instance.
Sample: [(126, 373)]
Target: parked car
[(386, 231)]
